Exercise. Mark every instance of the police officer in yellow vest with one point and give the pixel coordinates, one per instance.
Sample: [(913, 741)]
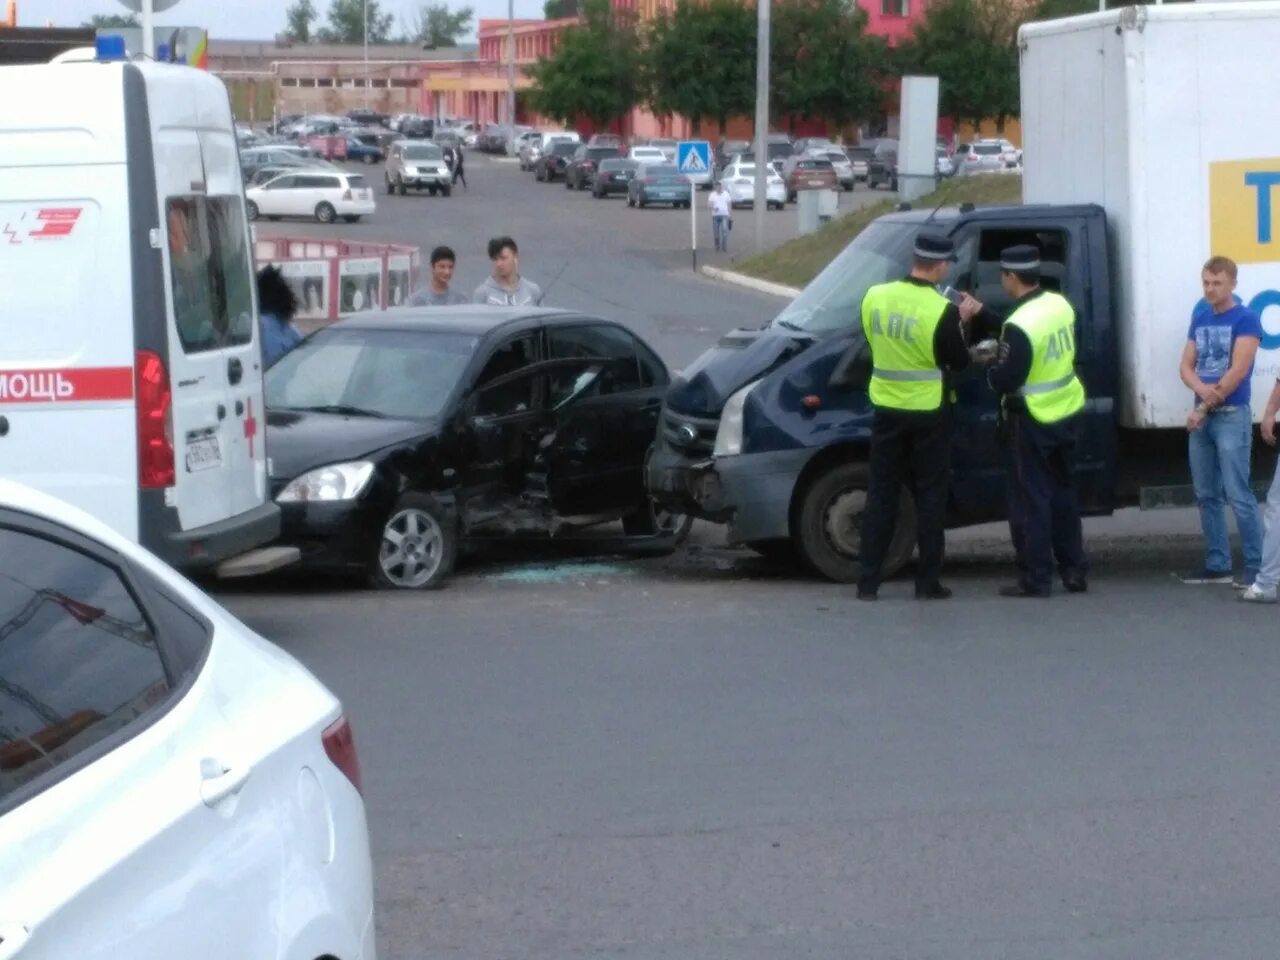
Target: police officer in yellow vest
[(1035, 373), (915, 334)]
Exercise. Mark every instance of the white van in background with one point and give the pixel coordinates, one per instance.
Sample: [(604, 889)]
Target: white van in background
[(130, 367)]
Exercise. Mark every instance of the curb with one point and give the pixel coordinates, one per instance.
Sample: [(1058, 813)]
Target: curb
[(751, 283)]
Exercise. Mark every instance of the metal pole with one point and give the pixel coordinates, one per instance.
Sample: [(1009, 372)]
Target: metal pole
[(366, 54), (761, 197), (511, 63), (148, 30)]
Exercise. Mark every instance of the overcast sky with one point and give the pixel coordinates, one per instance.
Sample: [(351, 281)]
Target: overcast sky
[(235, 19)]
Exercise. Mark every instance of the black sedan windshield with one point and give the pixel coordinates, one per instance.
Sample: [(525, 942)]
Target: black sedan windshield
[(405, 374)]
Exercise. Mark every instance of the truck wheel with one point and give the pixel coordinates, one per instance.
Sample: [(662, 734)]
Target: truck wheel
[(418, 547), (828, 530), (325, 213), (251, 210)]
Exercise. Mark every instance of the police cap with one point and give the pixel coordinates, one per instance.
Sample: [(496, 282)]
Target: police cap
[(933, 246), (1024, 258)]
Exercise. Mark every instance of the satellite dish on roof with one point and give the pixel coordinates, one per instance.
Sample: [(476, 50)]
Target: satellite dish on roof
[(157, 6)]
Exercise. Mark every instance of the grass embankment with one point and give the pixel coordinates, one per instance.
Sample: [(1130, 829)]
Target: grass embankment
[(798, 261)]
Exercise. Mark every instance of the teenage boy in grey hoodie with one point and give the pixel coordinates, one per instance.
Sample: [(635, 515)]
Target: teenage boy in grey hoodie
[(506, 288)]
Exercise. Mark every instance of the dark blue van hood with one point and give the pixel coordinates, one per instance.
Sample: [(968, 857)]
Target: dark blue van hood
[(741, 356)]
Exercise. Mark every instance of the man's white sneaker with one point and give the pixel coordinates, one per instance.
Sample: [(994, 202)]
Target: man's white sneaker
[(1253, 594)]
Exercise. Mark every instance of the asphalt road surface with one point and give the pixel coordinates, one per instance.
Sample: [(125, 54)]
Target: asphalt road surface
[(704, 757)]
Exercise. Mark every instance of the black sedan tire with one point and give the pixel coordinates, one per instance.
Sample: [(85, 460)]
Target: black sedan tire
[(418, 547)]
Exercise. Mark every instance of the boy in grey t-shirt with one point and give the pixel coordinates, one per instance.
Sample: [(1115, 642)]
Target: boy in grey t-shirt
[(438, 293), (506, 288)]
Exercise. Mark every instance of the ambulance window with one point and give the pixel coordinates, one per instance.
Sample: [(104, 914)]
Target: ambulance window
[(212, 276)]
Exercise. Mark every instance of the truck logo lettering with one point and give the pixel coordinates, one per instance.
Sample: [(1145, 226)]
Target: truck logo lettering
[(78, 385), (51, 223)]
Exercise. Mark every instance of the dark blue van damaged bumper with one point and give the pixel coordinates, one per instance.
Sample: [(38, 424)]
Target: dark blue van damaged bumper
[(751, 492)]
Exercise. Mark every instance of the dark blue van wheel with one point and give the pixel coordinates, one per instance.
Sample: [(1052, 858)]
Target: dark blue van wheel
[(829, 524)]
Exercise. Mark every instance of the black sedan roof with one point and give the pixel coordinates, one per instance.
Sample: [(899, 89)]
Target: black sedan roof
[(475, 319)]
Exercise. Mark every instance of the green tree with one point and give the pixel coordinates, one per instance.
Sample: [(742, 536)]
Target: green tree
[(595, 70), (558, 9), (298, 20), (822, 62), (347, 22), (971, 46), (435, 25), (110, 21), (700, 60)]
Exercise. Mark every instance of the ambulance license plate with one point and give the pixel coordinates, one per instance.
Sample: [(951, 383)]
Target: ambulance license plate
[(203, 454)]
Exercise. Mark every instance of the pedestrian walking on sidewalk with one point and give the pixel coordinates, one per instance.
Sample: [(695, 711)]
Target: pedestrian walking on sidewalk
[(721, 216), (458, 172)]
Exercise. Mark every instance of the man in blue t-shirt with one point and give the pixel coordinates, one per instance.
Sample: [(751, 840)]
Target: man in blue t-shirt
[(1217, 363)]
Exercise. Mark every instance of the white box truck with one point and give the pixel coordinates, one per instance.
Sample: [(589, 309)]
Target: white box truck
[(130, 362), (1166, 117), (1151, 142)]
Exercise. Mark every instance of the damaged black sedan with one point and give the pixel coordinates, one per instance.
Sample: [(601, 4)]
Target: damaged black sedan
[(397, 438)]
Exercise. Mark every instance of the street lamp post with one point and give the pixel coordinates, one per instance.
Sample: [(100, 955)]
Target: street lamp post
[(761, 195), (511, 63), (366, 54)]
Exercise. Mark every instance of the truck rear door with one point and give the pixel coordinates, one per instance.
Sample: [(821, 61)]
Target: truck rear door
[(246, 458), (204, 332)]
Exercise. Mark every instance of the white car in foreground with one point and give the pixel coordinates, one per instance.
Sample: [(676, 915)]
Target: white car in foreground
[(325, 195), (739, 179), (171, 784)]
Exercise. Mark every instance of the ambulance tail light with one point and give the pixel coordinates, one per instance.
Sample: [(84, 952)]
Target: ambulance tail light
[(155, 422)]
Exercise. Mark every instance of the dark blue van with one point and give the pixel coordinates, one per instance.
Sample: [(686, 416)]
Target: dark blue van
[(767, 431)]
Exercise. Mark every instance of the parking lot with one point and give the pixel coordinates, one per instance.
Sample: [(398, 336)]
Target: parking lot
[(707, 756)]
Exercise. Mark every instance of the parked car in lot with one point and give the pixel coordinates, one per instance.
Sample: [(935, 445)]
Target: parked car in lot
[(581, 169), (530, 153), (325, 195), (739, 179), (614, 176), (396, 438), (667, 145), (530, 150), (360, 152), (366, 117), (813, 145), (255, 158), (845, 173), (943, 164), (647, 154), (608, 140), (883, 168), (659, 183), (417, 165), (981, 156), (169, 780), (726, 150), (860, 159), (808, 173), (554, 161)]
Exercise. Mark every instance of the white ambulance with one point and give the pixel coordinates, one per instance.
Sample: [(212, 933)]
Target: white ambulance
[(130, 367)]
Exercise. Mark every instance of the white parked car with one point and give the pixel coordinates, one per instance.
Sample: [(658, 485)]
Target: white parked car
[(171, 784), (312, 193), (654, 156), (739, 179)]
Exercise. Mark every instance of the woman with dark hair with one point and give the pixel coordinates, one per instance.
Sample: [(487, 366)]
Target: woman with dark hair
[(277, 303)]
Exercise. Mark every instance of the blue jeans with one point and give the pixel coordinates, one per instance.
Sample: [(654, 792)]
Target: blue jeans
[(720, 232), (1219, 453)]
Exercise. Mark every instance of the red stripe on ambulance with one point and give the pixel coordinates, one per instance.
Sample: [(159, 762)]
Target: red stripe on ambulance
[(76, 385)]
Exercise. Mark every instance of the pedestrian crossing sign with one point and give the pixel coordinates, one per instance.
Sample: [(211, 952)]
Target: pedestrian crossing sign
[(693, 156)]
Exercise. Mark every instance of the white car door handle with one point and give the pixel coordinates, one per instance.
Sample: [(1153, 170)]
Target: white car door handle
[(13, 936), (214, 789)]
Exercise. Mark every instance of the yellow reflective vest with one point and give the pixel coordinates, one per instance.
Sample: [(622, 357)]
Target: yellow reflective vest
[(1052, 391), (900, 320)]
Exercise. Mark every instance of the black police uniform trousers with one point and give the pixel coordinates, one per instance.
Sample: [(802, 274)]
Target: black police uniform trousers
[(1044, 520), (915, 449)]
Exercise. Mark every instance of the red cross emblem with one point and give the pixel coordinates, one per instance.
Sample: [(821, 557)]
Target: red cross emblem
[(250, 428)]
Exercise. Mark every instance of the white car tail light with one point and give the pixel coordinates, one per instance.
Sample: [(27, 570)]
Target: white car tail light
[(340, 746)]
